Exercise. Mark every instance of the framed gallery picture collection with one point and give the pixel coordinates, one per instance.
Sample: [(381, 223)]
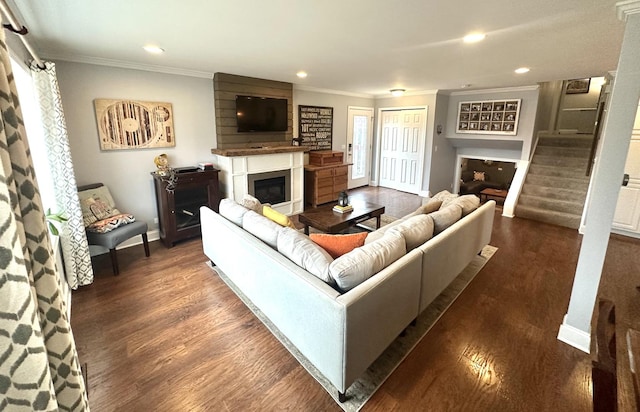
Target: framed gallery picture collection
[(489, 117)]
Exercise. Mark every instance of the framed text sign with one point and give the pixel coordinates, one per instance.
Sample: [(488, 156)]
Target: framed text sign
[(133, 124), (489, 117), (315, 126)]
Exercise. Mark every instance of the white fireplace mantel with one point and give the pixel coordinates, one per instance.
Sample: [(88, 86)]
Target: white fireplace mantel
[(236, 167)]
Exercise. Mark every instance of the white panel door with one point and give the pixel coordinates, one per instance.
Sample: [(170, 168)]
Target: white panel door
[(402, 149), (359, 142), (627, 215)]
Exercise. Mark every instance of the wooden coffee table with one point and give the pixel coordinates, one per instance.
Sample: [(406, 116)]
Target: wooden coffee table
[(326, 220), (493, 193)]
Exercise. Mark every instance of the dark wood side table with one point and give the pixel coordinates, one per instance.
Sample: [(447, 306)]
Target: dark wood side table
[(179, 210)]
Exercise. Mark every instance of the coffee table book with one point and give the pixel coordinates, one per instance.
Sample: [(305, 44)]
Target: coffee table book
[(343, 209)]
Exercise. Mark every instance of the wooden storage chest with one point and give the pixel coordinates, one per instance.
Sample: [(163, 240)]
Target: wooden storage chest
[(323, 184), (325, 157)]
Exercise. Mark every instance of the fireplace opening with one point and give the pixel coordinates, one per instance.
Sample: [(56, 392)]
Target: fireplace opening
[(271, 187)]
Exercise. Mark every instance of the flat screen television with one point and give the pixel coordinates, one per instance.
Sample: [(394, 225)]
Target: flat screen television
[(261, 114)]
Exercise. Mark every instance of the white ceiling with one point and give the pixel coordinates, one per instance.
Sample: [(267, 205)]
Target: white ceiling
[(357, 46)]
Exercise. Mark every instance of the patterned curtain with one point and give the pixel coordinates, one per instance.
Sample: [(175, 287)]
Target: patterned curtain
[(73, 239), (39, 367)]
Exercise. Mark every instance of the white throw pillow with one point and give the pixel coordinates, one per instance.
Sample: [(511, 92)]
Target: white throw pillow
[(252, 203), (232, 211), (446, 217), (262, 228), (305, 253), (353, 268), (416, 230)]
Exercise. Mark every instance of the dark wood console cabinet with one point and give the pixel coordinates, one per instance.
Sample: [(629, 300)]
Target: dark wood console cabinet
[(179, 210)]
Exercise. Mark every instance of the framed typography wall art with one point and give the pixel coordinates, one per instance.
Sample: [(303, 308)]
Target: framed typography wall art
[(133, 124), (489, 117), (315, 126)]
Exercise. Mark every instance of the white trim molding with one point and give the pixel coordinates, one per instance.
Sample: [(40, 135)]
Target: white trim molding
[(330, 91), (575, 337), (627, 7), (128, 65), (501, 90)]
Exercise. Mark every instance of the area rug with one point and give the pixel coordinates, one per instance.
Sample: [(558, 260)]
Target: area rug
[(362, 390)]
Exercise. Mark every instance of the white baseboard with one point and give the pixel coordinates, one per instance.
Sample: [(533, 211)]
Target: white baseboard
[(136, 240), (424, 193), (575, 337)]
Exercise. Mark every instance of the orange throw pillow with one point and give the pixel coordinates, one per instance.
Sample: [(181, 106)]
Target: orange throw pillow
[(338, 245)]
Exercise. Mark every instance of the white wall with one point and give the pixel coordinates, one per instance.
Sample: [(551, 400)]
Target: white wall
[(501, 146), (340, 104), (127, 172)]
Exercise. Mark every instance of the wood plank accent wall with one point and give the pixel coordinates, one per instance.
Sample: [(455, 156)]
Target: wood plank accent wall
[(225, 89)]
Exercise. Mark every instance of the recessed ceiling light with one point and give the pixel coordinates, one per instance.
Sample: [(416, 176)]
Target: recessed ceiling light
[(474, 37), (301, 74), (397, 92), (522, 70), (464, 86), (153, 49)]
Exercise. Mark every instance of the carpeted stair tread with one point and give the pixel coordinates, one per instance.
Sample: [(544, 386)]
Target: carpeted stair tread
[(553, 193), (557, 171), (561, 151), (556, 205), (558, 182), (560, 161), (555, 218), (584, 141)]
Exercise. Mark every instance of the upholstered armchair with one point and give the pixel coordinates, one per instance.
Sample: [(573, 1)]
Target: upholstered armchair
[(106, 226)]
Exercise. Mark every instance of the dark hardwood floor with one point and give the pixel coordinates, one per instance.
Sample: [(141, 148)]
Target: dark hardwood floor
[(168, 335)]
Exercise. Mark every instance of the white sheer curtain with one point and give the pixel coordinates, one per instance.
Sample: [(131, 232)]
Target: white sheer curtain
[(73, 239)]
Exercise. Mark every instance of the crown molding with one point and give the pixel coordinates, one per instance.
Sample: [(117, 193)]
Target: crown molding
[(411, 93), (626, 8), (128, 65), (330, 91), (501, 90)]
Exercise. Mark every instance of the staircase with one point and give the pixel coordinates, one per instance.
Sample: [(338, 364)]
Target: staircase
[(556, 186)]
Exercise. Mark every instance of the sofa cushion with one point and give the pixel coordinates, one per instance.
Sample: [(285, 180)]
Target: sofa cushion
[(261, 227), (232, 211), (445, 217), (446, 197), (416, 230), (378, 233), (338, 245), (468, 203), (279, 218), (353, 268), (305, 253), (430, 206), (478, 176)]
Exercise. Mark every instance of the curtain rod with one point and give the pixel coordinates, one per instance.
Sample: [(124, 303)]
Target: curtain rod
[(21, 31)]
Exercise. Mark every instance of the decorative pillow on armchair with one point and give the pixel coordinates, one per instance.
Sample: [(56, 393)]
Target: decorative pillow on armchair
[(96, 204), (110, 223)]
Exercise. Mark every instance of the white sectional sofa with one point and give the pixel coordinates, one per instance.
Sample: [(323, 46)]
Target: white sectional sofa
[(341, 332)]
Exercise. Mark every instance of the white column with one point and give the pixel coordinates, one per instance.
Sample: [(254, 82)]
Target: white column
[(606, 182)]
